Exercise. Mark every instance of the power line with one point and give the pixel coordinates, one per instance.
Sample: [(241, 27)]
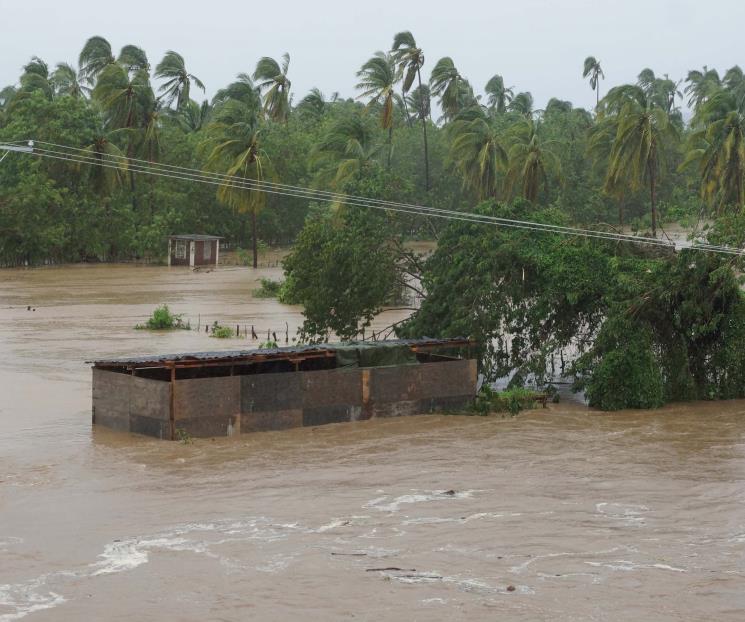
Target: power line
[(123, 163)]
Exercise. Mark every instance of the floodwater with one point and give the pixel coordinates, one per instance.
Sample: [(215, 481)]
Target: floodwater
[(558, 514)]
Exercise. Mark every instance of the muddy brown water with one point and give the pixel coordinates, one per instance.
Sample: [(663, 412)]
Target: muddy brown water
[(558, 514)]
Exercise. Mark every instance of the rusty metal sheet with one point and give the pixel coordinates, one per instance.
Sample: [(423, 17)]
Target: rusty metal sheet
[(206, 397), (394, 384), (271, 420), (149, 398), (265, 392), (332, 387)]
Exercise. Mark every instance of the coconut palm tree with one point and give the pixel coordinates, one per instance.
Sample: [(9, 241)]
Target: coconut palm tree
[(314, 102), (701, 85), (377, 81), (522, 103), (499, 95), (447, 84), (477, 151), (410, 60), (243, 90), (718, 148), (346, 150), (234, 149), (420, 102), (639, 147), (133, 59), (594, 71), (66, 82), (177, 85), (192, 116), (94, 57), (532, 161), (272, 80)]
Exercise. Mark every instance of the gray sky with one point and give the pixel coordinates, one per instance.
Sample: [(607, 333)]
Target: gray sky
[(537, 45)]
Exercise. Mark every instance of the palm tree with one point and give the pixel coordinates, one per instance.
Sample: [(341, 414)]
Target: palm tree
[(701, 86), (420, 102), (532, 161), (594, 71), (192, 116), (273, 80), (477, 152), (644, 131), (314, 102), (346, 150), (522, 103), (35, 77), (447, 84), (719, 150), (243, 90), (377, 81), (65, 81), (499, 95), (177, 85), (234, 143), (95, 55), (410, 59), (133, 59)]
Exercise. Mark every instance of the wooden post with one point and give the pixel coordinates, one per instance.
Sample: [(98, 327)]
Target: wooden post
[(172, 413)]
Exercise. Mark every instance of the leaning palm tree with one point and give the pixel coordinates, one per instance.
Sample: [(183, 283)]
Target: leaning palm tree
[(133, 59), (522, 103), (639, 148), (346, 150), (447, 84), (477, 152), (234, 149), (242, 90), (718, 148), (377, 81), (177, 85), (410, 60), (532, 161), (192, 116), (94, 57), (272, 80), (701, 85), (66, 82), (499, 95), (594, 71), (314, 103), (420, 102)]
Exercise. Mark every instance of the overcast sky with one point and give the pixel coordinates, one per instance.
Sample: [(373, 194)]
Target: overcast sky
[(537, 45)]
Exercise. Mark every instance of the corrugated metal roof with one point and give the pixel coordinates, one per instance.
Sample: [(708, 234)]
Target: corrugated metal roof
[(158, 360)]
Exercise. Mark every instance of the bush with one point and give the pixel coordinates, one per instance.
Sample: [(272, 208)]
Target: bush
[(221, 332), (269, 289), (512, 401), (163, 319)]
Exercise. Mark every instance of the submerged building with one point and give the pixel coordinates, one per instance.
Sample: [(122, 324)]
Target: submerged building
[(207, 394), (193, 250)]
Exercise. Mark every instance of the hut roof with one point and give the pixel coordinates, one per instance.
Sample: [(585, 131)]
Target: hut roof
[(197, 237)]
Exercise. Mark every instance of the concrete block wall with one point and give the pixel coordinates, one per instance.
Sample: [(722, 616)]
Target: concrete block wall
[(229, 405)]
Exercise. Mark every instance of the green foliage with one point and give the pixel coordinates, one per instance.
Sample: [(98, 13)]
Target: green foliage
[(184, 437), (269, 289), (221, 332), (163, 319), (511, 401), (268, 345)]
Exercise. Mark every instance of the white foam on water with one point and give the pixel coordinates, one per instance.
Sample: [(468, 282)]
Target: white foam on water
[(631, 513), (394, 505), (628, 566), (27, 598)]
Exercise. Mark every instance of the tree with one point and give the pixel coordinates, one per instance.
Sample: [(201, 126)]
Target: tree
[(177, 85), (499, 95), (420, 102), (377, 81), (594, 71), (701, 85), (94, 57), (410, 59), (65, 81), (234, 144), (273, 81), (639, 147), (314, 102), (133, 59), (531, 161), (447, 84), (522, 104), (718, 148), (347, 148), (477, 152), (243, 90)]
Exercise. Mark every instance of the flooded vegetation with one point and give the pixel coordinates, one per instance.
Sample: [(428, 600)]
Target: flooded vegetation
[(445, 517)]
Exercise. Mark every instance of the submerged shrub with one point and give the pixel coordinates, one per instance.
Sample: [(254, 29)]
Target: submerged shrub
[(269, 289), (510, 401), (163, 319), (221, 332)]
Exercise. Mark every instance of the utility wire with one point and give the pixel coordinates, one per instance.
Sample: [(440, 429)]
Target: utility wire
[(124, 164)]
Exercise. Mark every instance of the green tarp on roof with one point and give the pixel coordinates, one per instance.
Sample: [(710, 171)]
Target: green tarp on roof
[(373, 354)]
